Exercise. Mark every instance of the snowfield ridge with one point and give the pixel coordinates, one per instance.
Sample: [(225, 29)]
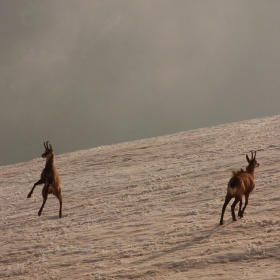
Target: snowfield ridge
[(147, 209)]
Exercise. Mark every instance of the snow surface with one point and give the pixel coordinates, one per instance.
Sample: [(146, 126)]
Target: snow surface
[(147, 209)]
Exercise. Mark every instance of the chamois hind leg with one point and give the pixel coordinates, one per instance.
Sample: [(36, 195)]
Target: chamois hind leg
[(37, 183), (240, 206), (60, 208), (246, 203), (59, 197), (227, 200), (45, 192), (237, 199)]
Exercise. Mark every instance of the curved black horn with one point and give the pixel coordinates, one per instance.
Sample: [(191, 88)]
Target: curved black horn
[(252, 156), (46, 144)]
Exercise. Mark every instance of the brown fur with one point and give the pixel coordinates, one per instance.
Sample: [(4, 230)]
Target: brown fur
[(50, 179), (241, 183), (238, 172)]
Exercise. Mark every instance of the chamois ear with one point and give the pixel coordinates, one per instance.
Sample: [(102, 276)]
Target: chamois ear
[(247, 158)]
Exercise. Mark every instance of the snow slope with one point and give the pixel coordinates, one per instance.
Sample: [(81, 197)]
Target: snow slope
[(147, 209)]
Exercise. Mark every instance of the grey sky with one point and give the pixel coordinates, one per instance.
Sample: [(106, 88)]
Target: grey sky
[(87, 73)]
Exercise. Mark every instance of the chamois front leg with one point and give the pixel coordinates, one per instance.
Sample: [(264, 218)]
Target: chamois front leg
[(37, 183), (45, 192)]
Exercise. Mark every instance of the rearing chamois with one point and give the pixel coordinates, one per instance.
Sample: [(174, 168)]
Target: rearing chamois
[(241, 183), (50, 179)]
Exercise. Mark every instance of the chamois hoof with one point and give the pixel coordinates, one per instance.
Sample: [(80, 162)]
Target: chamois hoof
[(29, 195), (221, 223)]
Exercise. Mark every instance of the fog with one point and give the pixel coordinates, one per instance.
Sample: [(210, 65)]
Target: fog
[(87, 73)]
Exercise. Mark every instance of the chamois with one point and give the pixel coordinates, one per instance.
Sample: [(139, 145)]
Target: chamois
[(241, 183), (50, 179)]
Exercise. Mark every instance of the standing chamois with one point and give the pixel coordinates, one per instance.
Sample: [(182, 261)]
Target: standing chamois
[(50, 179), (241, 183)]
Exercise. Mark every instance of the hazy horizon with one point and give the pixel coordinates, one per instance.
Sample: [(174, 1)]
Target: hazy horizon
[(90, 73)]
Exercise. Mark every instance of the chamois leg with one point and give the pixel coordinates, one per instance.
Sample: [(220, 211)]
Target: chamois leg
[(246, 203), (240, 206), (237, 199), (60, 209), (45, 192), (59, 197), (227, 200), (37, 183)]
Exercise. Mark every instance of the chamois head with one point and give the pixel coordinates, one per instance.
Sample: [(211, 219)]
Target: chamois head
[(252, 163), (48, 150)]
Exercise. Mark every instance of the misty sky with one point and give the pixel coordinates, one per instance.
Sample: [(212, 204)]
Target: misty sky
[(87, 73)]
